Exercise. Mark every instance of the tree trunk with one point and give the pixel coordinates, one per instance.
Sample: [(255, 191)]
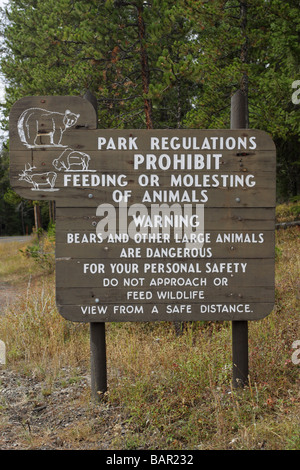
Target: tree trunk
[(244, 55), (51, 211), (144, 68), (37, 217)]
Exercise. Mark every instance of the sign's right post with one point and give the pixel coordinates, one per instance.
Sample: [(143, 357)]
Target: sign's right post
[(240, 362)]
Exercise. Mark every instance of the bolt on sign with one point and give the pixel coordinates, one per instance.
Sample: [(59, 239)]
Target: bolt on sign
[(150, 224)]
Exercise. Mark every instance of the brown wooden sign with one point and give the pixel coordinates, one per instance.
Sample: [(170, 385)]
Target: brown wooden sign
[(151, 224)]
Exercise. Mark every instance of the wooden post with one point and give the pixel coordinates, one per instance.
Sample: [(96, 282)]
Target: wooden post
[(97, 334), (238, 119), (239, 353), (240, 367), (98, 360)]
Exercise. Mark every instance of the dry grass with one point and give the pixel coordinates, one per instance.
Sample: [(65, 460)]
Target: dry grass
[(288, 212), (175, 392), (13, 267), (20, 262), (37, 337)]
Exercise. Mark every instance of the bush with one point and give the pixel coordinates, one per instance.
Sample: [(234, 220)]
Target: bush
[(288, 212), (42, 250)]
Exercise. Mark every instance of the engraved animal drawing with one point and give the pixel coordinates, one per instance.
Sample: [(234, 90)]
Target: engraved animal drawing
[(35, 122), (70, 159), (40, 181)]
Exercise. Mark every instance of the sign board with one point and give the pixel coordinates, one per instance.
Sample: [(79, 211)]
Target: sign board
[(151, 225)]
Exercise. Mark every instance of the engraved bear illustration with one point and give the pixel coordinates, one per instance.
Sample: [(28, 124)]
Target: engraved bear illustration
[(33, 120)]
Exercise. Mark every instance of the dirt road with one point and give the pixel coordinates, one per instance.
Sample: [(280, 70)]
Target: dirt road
[(17, 238)]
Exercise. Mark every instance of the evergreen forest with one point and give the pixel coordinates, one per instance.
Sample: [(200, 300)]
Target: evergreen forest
[(154, 64)]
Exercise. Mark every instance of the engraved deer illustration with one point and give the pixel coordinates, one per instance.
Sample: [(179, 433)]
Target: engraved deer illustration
[(40, 181)]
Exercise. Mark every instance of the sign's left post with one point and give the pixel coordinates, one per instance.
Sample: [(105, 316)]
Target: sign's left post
[(45, 131)]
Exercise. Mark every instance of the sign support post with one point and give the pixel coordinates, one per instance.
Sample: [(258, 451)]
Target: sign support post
[(97, 333), (240, 366), (240, 353), (98, 360)]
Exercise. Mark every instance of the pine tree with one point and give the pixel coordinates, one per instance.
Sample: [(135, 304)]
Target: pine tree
[(253, 46), (163, 64), (134, 56)]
